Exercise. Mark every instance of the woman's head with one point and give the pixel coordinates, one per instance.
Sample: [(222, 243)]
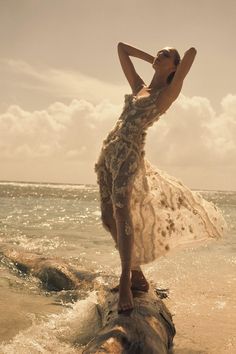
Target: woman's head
[(166, 62)]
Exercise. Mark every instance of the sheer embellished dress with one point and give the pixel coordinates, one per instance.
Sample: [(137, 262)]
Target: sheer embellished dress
[(164, 212)]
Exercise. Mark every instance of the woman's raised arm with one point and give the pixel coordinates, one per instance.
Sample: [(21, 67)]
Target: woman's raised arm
[(182, 70), (124, 53), (172, 91)]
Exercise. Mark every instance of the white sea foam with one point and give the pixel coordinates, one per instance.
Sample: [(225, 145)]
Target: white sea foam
[(60, 334)]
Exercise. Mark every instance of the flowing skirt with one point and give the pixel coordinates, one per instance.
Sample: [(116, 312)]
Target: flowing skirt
[(166, 214)]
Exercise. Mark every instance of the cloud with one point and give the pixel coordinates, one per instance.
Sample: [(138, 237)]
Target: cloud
[(190, 140), (58, 83), (62, 131), (192, 134)]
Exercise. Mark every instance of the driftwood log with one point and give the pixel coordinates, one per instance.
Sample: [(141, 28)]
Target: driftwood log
[(148, 329), (54, 273)]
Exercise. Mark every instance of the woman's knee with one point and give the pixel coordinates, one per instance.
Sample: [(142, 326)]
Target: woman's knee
[(123, 221), (122, 211), (105, 221), (108, 219)]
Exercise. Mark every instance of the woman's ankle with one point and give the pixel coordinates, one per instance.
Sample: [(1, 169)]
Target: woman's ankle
[(125, 270), (125, 276)]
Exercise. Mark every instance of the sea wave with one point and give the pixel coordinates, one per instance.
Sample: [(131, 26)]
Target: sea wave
[(63, 333)]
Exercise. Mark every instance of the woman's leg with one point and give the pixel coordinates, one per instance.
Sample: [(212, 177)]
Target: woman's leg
[(108, 220), (121, 195), (105, 187), (138, 280), (107, 215), (125, 246)]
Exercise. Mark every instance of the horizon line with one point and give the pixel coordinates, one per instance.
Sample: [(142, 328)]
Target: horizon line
[(93, 184)]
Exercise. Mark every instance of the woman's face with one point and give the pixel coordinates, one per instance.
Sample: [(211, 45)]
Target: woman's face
[(165, 60)]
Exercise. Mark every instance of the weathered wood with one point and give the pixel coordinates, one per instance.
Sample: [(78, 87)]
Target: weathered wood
[(148, 329), (54, 273)]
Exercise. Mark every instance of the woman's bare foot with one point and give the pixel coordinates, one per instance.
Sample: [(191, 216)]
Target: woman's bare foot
[(125, 302), (138, 282)]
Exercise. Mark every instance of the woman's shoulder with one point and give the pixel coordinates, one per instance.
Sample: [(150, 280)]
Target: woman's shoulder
[(128, 100), (128, 96)]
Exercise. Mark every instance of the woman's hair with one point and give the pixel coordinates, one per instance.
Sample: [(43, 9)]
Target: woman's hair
[(176, 62)]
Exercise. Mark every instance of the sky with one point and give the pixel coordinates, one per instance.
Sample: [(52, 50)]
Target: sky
[(62, 87)]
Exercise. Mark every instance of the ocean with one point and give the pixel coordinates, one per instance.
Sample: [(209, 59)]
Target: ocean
[(63, 221)]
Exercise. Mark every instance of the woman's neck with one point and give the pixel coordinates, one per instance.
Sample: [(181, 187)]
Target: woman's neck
[(158, 82)]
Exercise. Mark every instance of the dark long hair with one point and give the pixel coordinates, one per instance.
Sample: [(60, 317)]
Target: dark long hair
[(176, 62)]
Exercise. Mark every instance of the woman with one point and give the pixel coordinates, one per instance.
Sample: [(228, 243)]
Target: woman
[(124, 177)]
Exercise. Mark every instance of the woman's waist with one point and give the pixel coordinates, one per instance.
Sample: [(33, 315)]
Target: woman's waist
[(124, 138), (119, 150)]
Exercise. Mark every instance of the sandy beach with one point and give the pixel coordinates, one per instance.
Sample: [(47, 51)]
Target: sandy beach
[(64, 222)]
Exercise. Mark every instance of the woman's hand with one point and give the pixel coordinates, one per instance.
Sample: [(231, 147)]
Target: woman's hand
[(191, 51)]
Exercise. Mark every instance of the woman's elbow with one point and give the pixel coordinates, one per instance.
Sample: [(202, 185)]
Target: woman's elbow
[(120, 45)]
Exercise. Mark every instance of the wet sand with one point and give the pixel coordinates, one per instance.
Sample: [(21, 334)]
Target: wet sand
[(201, 299), (206, 327)]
